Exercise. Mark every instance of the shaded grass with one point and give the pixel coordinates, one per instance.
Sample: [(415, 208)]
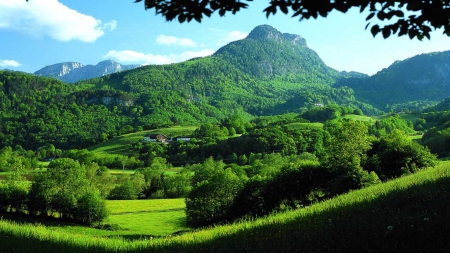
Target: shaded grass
[(410, 116), (410, 214), (28, 174)]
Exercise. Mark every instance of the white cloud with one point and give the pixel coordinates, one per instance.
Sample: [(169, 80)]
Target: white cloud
[(235, 35), (226, 37), (171, 40), (9, 63), (51, 18), (129, 56), (111, 25), (192, 54)]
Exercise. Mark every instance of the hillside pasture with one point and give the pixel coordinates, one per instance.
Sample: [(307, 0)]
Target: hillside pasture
[(121, 145), (128, 219), (360, 118), (406, 116), (147, 218), (302, 126), (169, 171)]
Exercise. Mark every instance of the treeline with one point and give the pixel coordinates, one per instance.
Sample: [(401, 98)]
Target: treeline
[(67, 190), (352, 159), (323, 113), (234, 140), (76, 191)]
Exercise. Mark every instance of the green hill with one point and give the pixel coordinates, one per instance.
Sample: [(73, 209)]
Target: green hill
[(267, 73), (409, 214), (120, 145), (415, 83)]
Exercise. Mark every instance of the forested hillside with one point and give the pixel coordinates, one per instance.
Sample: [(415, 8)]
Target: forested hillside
[(414, 84), (267, 73)]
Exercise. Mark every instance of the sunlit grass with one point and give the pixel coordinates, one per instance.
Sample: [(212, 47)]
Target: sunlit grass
[(145, 218), (120, 145), (298, 125), (360, 118)]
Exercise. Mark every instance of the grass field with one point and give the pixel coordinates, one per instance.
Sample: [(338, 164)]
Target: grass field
[(129, 219), (410, 214), (406, 116), (409, 116), (298, 125), (120, 145), (169, 171), (148, 218), (360, 118)]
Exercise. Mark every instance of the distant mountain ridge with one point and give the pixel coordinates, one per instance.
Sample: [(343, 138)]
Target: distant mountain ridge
[(268, 72), (423, 78), (71, 72)]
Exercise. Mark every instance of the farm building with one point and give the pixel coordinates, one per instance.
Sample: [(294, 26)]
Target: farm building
[(181, 138), (155, 138)]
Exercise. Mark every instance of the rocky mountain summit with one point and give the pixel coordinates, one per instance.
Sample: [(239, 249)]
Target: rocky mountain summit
[(71, 72)]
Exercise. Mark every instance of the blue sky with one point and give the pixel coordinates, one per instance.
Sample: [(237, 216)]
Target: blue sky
[(38, 33)]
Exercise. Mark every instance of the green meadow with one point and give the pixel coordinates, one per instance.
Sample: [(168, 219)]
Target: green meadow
[(147, 218), (409, 214), (120, 145), (299, 126), (131, 219), (169, 171), (359, 117)]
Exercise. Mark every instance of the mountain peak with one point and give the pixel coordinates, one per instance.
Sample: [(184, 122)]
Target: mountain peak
[(268, 32), (72, 72), (107, 62), (263, 31)]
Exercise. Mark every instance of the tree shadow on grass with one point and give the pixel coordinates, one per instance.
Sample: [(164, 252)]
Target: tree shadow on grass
[(416, 219), (45, 221)]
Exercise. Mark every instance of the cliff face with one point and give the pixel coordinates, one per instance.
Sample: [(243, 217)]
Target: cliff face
[(71, 72)]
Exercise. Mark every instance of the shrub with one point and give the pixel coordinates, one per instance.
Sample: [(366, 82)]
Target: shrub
[(91, 209)]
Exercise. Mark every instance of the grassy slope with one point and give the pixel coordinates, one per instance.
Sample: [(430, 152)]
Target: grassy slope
[(120, 145), (148, 218), (299, 126), (411, 214), (360, 118), (131, 219)]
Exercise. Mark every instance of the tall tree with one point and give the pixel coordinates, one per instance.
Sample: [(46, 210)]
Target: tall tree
[(349, 142), (348, 145)]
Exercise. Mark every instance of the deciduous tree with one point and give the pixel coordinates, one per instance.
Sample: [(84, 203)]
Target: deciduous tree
[(415, 18)]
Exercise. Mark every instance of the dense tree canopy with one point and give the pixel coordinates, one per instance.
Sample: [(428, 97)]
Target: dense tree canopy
[(415, 18)]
